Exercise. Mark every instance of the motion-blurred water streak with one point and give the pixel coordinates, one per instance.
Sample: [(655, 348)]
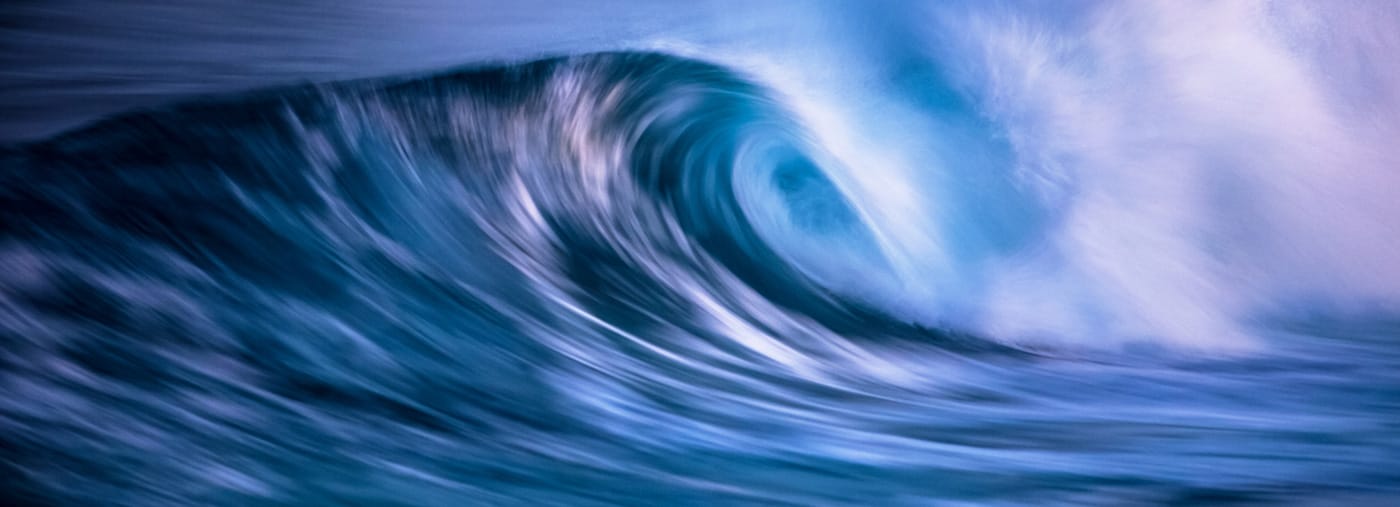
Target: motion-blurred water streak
[(837, 253)]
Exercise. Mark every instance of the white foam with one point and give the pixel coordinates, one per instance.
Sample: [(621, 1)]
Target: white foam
[(1202, 166)]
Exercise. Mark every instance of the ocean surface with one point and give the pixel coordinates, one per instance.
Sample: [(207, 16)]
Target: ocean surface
[(699, 253)]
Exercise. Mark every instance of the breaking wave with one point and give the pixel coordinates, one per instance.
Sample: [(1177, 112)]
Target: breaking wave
[(613, 278)]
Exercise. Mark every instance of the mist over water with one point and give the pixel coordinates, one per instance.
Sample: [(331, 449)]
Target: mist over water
[(717, 253)]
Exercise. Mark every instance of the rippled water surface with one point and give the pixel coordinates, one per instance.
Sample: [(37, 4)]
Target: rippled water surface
[(717, 253)]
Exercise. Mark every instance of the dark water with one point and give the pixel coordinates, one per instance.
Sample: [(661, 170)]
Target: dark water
[(640, 278)]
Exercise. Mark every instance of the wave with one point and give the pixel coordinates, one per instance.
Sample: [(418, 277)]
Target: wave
[(616, 277), (635, 177), (363, 245)]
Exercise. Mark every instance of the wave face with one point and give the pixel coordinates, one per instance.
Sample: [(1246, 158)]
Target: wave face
[(633, 278)]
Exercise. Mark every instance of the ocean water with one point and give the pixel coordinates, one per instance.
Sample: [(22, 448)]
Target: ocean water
[(708, 253)]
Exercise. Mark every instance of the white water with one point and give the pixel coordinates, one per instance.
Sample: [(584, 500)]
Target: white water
[(1192, 172)]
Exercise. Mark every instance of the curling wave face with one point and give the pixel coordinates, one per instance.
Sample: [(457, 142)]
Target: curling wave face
[(615, 278)]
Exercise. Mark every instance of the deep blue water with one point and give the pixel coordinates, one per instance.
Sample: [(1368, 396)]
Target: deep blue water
[(799, 254)]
